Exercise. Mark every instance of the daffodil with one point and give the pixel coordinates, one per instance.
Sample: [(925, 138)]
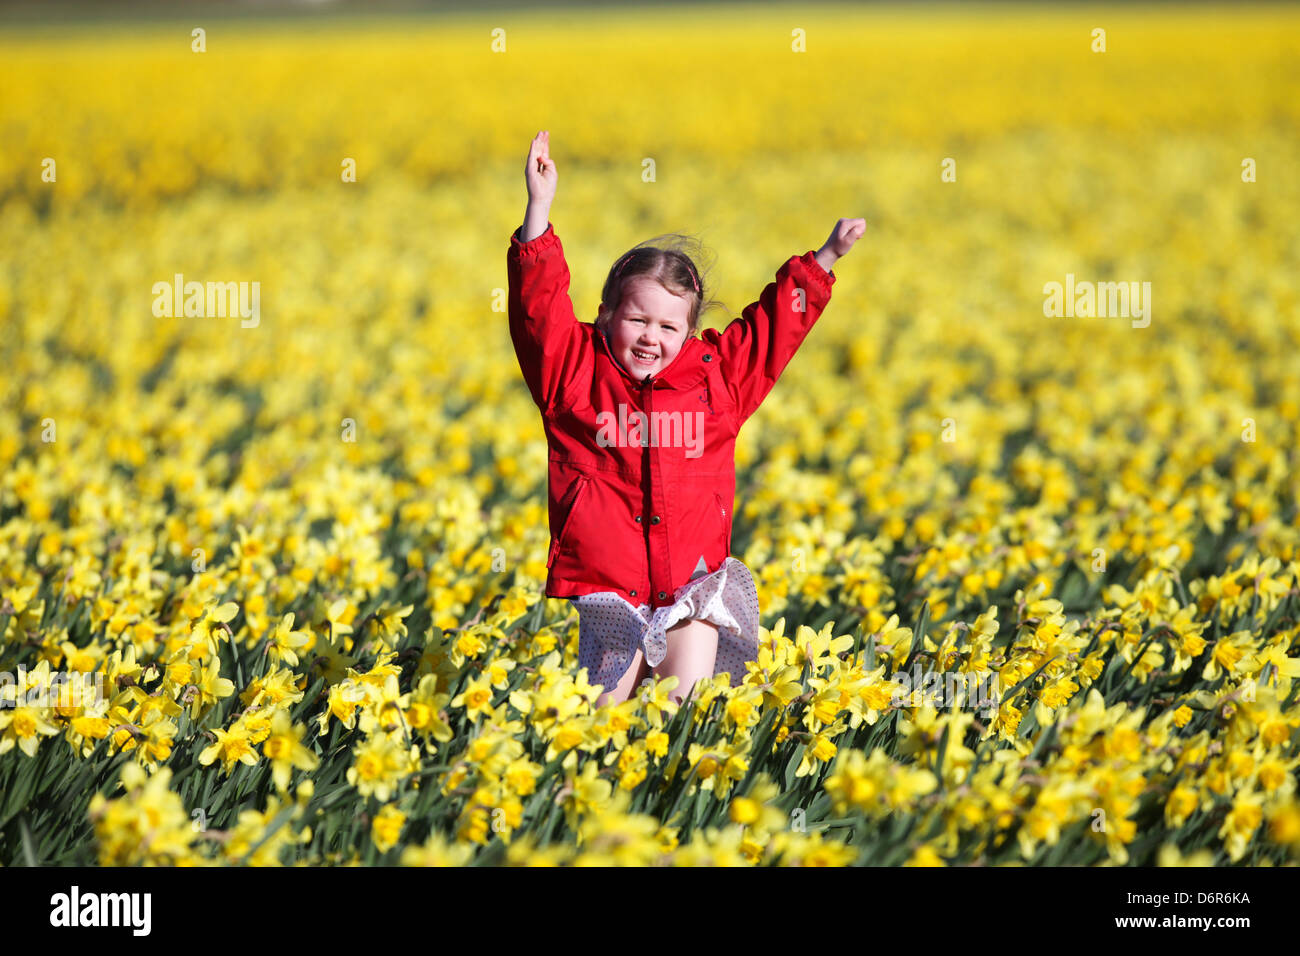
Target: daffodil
[(147, 824), (388, 625), (284, 642), (1241, 822), (379, 765), (285, 750), (585, 793), (208, 688), (23, 727), (232, 746), (213, 628), (476, 698), (386, 827)]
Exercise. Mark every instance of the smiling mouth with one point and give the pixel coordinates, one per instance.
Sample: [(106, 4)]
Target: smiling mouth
[(645, 358)]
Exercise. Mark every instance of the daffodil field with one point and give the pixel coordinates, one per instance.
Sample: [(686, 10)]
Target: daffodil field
[(301, 558)]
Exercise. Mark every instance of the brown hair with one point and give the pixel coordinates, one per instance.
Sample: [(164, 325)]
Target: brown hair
[(669, 259)]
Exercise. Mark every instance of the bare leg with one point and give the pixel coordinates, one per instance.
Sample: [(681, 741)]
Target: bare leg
[(632, 677), (692, 655)]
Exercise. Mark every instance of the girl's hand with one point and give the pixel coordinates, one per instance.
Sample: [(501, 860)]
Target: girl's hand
[(540, 173), (844, 235)]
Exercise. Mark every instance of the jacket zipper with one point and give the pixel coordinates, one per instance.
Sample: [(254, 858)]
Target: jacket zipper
[(725, 520), (647, 402), (579, 487)]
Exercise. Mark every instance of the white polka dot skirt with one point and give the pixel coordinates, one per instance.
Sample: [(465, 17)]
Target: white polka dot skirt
[(610, 629)]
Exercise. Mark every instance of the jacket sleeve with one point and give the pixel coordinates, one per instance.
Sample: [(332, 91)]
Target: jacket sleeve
[(543, 327), (755, 348)]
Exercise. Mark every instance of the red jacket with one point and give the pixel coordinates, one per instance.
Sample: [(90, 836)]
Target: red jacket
[(633, 511)]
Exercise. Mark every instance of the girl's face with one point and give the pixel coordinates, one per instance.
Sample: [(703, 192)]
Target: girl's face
[(649, 327)]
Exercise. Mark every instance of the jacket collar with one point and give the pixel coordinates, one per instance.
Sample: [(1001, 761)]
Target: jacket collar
[(686, 369)]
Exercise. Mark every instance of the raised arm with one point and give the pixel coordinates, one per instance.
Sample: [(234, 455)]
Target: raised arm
[(755, 348), (541, 177), (543, 327)]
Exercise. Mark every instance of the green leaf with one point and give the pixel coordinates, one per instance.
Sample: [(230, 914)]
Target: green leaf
[(793, 765), (819, 806), (704, 799), (938, 758), (29, 851), (918, 634)]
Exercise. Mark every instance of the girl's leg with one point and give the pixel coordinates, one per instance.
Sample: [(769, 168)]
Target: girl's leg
[(628, 683), (692, 655)]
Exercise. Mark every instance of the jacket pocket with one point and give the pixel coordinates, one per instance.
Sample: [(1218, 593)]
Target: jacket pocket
[(726, 521), (557, 541)]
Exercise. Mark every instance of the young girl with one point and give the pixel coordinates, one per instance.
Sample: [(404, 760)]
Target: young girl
[(641, 414)]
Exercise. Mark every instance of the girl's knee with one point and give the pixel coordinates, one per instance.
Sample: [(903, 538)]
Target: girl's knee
[(691, 657)]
